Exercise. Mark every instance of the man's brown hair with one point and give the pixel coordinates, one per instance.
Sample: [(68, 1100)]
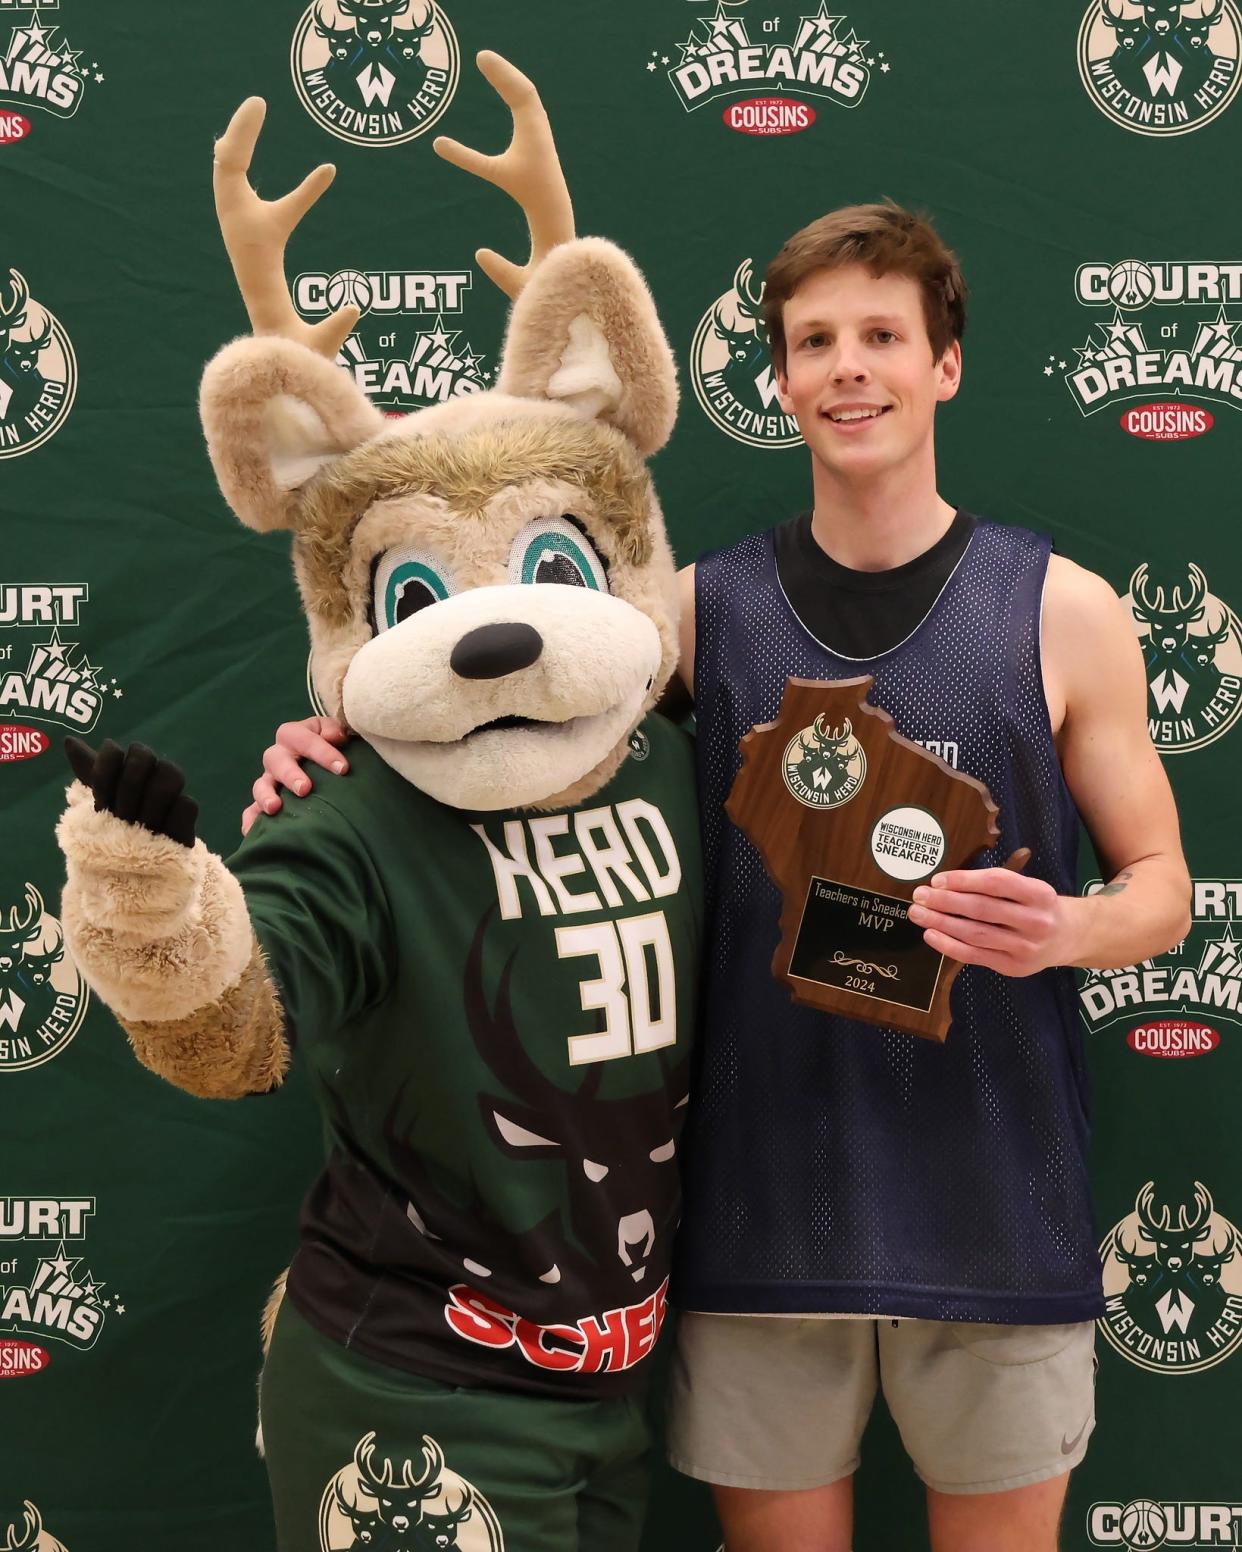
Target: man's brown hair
[(884, 239)]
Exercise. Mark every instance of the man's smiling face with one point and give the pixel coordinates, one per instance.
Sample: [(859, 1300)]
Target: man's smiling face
[(859, 373)]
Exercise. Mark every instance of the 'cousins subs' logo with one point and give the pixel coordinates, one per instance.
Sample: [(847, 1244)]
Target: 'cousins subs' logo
[(1174, 1004), (1160, 67), (732, 371), (1183, 345), (1173, 1282), (375, 72), (38, 370), (727, 55), (1192, 652), (401, 353)]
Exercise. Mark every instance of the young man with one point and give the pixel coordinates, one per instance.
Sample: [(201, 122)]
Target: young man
[(866, 1209)]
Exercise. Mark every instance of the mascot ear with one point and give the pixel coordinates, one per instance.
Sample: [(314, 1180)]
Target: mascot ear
[(584, 331), (275, 408), (274, 413)]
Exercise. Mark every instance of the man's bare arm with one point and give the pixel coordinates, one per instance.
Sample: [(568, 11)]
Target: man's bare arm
[(1098, 696)]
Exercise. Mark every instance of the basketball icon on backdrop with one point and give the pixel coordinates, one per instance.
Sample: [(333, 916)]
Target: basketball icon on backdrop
[(375, 72), (38, 370), (1131, 283)]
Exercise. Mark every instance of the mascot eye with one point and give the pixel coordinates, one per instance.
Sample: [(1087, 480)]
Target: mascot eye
[(405, 581), (555, 549)]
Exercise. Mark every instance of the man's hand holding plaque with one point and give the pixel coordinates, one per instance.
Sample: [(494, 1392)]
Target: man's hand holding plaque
[(850, 818)]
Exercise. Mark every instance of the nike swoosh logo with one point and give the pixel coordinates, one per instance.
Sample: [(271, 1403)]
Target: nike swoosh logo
[(1067, 1445)]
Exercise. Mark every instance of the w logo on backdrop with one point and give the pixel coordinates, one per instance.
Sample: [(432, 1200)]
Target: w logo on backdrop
[(38, 370), (1160, 67)]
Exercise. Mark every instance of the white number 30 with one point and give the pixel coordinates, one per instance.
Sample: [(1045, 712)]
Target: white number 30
[(635, 1020)]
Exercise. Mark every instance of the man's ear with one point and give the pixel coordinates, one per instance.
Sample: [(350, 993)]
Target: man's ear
[(782, 389), (274, 413), (949, 373), (584, 332)]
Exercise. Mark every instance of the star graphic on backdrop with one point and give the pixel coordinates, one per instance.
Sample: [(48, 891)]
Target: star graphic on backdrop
[(664, 59), (36, 34), (71, 57), (1061, 364), (120, 1308), (439, 338), (62, 1263), (885, 67), (1221, 955), (55, 648), (1047, 371), (651, 64), (118, 694), (98, 77)]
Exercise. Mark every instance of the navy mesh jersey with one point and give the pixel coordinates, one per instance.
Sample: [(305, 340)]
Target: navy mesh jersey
[(833, 1167)]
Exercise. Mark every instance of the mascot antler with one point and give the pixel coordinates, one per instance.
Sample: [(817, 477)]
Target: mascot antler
[(528, 170), (255, 233)]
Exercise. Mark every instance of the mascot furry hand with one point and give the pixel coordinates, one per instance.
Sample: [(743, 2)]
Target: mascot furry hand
[(483, 941)]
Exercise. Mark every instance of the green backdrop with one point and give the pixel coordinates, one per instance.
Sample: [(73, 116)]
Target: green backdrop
[(1074, 160)]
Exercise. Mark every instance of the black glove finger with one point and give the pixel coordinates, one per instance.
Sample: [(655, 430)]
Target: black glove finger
[(81, 759), (164, 786), (179, 826), (108, 763), (132, 784)]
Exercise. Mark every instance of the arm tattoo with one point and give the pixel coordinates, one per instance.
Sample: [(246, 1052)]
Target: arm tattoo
[(1117, 885)]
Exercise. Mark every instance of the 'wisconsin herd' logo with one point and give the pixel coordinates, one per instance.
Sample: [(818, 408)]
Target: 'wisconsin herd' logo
[(383, 1499), (1125, 357), (43, 997), (28, 1533), (38, 370), (1173, 1282), (375, 72), (821, 56), (402, 354), (1192, 650), (1174, 1001), (1160, 67), (732, 371), (38, 69), (824, 767)]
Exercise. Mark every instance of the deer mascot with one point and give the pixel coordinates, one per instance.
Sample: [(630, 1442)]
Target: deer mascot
[(481, 943)]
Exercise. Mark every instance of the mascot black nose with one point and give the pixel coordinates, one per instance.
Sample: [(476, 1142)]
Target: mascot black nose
[(491, 651)]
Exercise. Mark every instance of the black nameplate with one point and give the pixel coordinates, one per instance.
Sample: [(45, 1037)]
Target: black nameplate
[(864, 942)]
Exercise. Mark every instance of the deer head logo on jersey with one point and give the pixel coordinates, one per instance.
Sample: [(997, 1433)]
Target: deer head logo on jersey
[(490, 592)]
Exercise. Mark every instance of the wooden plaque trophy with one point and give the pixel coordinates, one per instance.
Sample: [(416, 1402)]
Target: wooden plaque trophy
[(849, 818)]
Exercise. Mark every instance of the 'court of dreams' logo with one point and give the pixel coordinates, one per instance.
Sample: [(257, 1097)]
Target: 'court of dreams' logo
[(1144, 1524), (821, 56), (732, 371), (1192, 652), (1160, 67), (824, 767), (1173, 1282), (53, 1299), (39, 69), (1164, 352), (383, 1498), (401, 354), (38, 370), (375, 72), (27, 1532)]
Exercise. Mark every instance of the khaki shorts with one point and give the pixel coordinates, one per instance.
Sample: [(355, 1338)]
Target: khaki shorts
[(781, 1403)]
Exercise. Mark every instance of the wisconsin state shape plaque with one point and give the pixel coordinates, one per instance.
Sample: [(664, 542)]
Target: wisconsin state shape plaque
[(850, 818)]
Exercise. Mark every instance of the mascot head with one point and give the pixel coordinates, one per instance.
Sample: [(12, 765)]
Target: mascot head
[(489, 587)]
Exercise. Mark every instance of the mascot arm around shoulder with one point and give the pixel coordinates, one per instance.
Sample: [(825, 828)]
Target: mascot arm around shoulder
[(415, 543)]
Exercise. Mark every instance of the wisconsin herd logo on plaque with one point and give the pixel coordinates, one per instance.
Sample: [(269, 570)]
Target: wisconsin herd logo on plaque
[(825, 768), (849, 817)]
